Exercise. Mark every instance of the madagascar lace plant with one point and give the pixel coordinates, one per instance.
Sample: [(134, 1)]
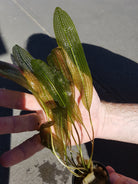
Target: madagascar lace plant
[(54, 84)]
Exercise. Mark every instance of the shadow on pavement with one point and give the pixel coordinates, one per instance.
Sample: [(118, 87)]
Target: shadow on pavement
[(4, 139), (115, 77), (2, 46)]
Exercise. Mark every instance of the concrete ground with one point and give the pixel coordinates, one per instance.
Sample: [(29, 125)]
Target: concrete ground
[(108, 30)]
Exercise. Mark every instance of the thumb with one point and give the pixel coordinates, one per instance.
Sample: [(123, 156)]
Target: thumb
[(120, 179), (110, 169), (115, 178)]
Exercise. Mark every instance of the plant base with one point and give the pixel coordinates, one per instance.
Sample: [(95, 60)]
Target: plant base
[(101, 175)]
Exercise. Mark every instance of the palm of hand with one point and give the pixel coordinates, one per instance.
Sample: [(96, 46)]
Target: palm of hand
[(31, 122)]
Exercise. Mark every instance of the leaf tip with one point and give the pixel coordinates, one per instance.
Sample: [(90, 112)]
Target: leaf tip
[(57, 9), (15, 47)]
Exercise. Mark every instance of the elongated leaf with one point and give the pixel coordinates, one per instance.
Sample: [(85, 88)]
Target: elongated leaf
[(57, 60), (52, 80), (11, 72), (62, 127), (68, 39), (39, 89), (22, 58)]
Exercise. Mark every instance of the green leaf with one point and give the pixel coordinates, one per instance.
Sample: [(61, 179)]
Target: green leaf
[(11, 72), (52, 80), (68, 39), (56, 59), (38, 87), (62, 127), (22, 58)]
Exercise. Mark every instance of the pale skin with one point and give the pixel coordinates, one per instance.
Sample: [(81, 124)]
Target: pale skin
[(110, 121)]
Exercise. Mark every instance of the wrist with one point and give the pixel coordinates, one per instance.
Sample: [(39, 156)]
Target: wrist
[(120, 122), (100, 120), (97, 114)]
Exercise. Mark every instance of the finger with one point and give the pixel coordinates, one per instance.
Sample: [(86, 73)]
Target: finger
[(128, 180), (21, 152), (120, 179), (18, 100), (15, 124), (110, 169), (114, 178)]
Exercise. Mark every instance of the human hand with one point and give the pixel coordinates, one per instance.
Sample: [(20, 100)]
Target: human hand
[(116, 178), (22, 123), (31, 122)]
